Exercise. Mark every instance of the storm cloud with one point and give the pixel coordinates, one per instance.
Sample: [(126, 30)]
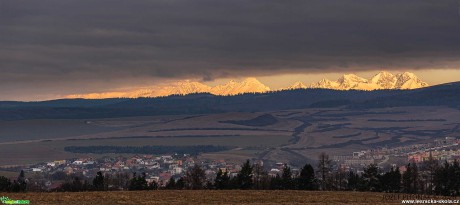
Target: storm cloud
[(70, 46)]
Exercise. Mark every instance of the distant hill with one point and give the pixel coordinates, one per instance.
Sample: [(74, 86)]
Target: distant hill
[(440, 95)]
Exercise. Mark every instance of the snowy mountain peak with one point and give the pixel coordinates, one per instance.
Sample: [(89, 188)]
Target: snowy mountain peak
[(183, 87), (408, 75), (382, 75), (352, 81), (248, 85), (324, 80), (325, 83), (382, 80), (409, 80), (351, 78), (296, 85)]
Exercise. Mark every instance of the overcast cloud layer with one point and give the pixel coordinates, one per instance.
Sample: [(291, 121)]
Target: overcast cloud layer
[(61, 46)]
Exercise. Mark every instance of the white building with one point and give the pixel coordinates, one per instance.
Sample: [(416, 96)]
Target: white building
[(78, 162)]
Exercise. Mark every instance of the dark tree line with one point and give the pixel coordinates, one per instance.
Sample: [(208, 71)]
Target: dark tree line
[(423, 178), (426, 178), (139, 183), (18, 185), (249, 177)]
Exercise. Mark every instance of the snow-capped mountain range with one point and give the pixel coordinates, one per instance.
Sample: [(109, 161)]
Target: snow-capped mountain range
[(382, 80), (248, 85)]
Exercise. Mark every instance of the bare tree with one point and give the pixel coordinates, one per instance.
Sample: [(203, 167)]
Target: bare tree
[(340, 179), (432, 167), (258, 175), (324, 169)]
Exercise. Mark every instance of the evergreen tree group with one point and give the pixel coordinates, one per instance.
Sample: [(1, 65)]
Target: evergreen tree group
[(138, 182), (418, 178), (18, 185)]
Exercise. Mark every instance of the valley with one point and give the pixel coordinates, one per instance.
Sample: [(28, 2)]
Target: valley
[(293, 136)]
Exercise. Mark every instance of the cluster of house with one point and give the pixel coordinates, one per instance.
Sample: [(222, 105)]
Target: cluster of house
[(356, 161), (449, 155), (159, 169), (446, 149), (437, 144), (156, 168), (278, 167)]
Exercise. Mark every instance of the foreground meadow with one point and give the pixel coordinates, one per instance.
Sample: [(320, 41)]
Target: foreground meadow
[(203, 197)]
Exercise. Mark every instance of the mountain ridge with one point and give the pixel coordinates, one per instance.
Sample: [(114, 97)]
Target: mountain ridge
[(195, 104), (382, 80), (183, 87)]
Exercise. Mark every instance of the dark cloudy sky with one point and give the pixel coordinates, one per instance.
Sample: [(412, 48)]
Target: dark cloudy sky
[(55, 47)]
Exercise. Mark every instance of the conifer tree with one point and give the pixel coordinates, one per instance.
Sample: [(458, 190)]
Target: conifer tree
[(171, 184), (195, 177), (286, 178), (98, 181), (391, 181), (408, 179), (222, 180), (306, 179), (153, 185), (5, 184), (138, 182), (371, 177), (276, 182), (244, 177), (20, 184), (353, 181), (180, 184)]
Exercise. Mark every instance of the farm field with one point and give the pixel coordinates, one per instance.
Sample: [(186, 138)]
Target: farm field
[(26, 153), (202, 197), (8, 174), (21, 130), (295, 136)]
